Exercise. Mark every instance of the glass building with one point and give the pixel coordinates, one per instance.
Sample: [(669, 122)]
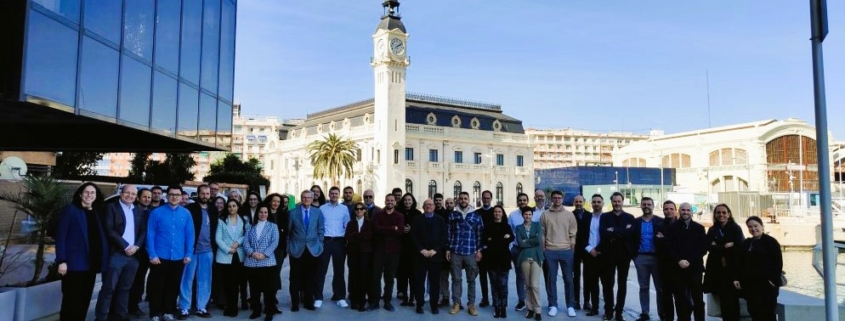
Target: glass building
[(117, 75)]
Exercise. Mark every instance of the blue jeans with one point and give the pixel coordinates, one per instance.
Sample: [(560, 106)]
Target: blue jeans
[(200, 267), (565, 259), (117, 281)]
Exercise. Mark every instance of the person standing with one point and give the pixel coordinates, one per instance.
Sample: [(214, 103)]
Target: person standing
[(593, 262), (279, 215), (126, 232), (615, 228), (405, 274), (369, 199), (666, 263), (359, 251), (559, 231), (231, 230), (81, 250), (486, 213), (761, 266), (529, 237), (389, 226), (465, 227), (644, 240), (205, 217), (498, 236), (170, 244), (581, 238), (687, 246), (144, 202), (724, 240), (305, 245), (515, 219), (428, 235), (259, 248), (336, 217)]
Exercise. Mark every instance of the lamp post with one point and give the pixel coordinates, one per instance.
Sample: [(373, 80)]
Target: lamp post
[(616, 174)]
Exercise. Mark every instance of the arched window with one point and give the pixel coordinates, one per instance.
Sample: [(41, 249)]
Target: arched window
[(458, 189), (518, 188), (432, 188), (409, 186), (476, 194), (500, 193)]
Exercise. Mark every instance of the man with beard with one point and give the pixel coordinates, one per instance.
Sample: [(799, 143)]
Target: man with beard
[(465, 228), (615, 227), (443, 211), (205, 220), (593, 264), (389, 227), (581, 239), (156, 200), (144, 202), (486, 213), (644, 242), (687, 246), (336, 217), (348, 193), (666, 263)]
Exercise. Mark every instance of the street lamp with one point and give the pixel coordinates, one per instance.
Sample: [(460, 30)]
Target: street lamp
[(616, 174)]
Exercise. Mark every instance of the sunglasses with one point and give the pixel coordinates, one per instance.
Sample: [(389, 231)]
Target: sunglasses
[(360, 209), (368, 196)]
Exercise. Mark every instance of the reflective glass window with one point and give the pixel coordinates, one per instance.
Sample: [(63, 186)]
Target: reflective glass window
[(98, 78), (51, 60), (227, 51), (138, 28), (208, 115), (164, 103), (66, 8), (224, 125), (188, 108), (167, 35), (135, 92), (191, 39), (210, 44), (103, 18)]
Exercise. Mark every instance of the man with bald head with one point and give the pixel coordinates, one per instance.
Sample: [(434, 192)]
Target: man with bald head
[(687, 246), (428, 233), (126, 229), (583, 218)]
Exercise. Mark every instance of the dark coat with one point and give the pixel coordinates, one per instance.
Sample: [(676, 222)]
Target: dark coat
[(637, 231), (72, 246), (496, 253), (429, 235), (359, 242), (722, 263), (761, 262), (115, 225), (616, 244), (688, 244), (213, 218), (282, 220), (582, 238)]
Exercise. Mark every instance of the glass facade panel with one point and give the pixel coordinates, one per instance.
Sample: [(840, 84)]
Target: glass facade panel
[(135, 92), (167, 35), (103, 18), (191, 40), (51, 60), (98, 78), (164, 103), (210, 44), (227, 51), (66, 8), (224, 125), (208, 117), (188, 111), (138, 28)]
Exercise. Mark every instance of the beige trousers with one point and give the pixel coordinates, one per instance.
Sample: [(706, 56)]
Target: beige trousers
[(532, 272)]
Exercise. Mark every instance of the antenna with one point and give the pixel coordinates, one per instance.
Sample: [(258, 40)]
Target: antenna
[(707, 77), (12, 168)]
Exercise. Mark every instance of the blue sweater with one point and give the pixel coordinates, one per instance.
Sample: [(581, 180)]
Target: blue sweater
[(170, 233)]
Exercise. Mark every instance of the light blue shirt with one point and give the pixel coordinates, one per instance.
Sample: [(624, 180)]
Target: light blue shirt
[(646, 237), (336, 217), (170, 233)]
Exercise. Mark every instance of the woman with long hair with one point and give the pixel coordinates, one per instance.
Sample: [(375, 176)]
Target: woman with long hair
[(230, 254), (407, 205), (760, 267), (319, 196), (260, 262), (81, 250), (279, 215), (497, 237), (724, 240)]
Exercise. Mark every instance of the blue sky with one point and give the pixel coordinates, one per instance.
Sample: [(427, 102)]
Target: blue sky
[(595, 65)]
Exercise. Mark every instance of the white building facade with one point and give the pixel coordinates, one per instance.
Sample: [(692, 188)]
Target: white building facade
[(567, 147), (422, 144)]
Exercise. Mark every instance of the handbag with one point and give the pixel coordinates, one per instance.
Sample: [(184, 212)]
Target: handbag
[(783, 280)]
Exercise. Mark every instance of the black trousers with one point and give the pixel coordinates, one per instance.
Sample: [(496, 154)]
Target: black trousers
[(430, 269), (231, 275), (140, 282), (334, 249), (383, 265), (484, 280), (405, 274), (689, 294), (593, 267), (77, 289), (576, 278), (615, 267), (277, 279), (163, 287), (262, 282), (762, 301), (303, 270), (667, 297), (499, 287), (360, 277), (728, 299)]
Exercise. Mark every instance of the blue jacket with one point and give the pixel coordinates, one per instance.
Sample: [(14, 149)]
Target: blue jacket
[(72, 240), (266, 244), (170, 233), (224, 239), (310, 236)]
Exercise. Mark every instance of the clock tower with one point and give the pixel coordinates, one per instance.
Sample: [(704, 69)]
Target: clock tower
[(390, 62)]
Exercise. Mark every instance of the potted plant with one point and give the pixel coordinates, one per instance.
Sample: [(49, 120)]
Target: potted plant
[(42, 198)]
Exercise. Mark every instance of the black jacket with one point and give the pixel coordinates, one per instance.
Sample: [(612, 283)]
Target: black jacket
[(196, 215), (616, 244), (636, 234), (429, 234), (114, 224), (497, 253), (722, 263), (282, 220), (582, 238), (761, 262), (687, 244)]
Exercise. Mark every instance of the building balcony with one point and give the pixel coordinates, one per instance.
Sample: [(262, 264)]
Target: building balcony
[(411, 164), (461, 167), (523, 171), (435, 166), (502, 170)]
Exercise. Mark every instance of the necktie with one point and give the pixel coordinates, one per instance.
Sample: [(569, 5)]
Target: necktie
[(305, 219)]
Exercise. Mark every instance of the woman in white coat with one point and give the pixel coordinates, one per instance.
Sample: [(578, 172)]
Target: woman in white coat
[(230, 253)]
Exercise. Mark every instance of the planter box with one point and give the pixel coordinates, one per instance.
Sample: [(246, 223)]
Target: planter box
[(8, 296), (36, 302)]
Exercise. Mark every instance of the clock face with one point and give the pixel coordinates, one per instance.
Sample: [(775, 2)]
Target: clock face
[(397, 46), (381, 47)]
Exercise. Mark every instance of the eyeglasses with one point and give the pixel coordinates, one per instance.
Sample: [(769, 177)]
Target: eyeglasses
[(360, 209), (368, 196), (253, 199), (174, 195)]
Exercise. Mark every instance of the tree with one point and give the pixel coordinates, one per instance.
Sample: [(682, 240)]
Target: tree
[(176, 169), (231, 169), (333, 157), (42, 198), (75, 164), (139, 166)]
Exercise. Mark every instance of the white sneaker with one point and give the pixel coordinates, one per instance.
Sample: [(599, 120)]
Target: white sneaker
[(318, 304), (342, 303), (552, 311), (169, 317), (571, 312)]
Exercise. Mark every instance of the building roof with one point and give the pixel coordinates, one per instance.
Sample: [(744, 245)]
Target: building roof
[(390, 23)]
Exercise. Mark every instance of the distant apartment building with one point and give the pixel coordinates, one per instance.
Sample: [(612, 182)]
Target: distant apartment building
[(567, 147)]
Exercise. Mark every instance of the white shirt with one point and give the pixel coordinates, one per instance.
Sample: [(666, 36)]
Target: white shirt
[(129, 217), (595, 238), (360, 223), (336, 217), (259, 228)]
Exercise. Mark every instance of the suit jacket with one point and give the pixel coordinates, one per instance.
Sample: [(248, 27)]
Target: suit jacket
[(636, 234), (265, 244), (359, 241), (302, 236), (688, 244), (115, 226), (424, 237), (617, 243), (282, 220), (196, 215), (582, 238), (225, 237), (72, 240)]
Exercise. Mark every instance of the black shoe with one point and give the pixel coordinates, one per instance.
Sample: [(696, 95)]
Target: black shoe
[(587, 307), (619, 317), (529, 315), (203, 314), (372, 307), (419, 310), (255, 315), (183, 315), (592, 313), (309, 307), (137, 313), (406, 303), (444, 302), (484, 303), (412, 303), (294, 308), (389, 307), (435, 310), (496, 312), (268, 317), (520, 306), (401, 295), (538, 316), (607, 317), (362, 308), (276, 310), (245, 305), (503, 313)]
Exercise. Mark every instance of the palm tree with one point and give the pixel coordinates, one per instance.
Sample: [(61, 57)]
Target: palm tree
[(42, 198), (333, 157)]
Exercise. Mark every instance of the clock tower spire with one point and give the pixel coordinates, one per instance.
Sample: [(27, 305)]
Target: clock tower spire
[(389, 62)]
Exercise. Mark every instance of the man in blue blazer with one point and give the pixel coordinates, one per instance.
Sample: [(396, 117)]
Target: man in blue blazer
[(305, 245), (126, 230)]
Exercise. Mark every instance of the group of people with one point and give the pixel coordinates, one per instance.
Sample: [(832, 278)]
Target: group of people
[(214, 249)]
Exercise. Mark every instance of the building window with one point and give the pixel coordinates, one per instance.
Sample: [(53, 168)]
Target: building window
[(409, 154), (432, 156), (358, 154), (409, 186), (360, 187), (520, 161), (476, 194), (432, 188), (457, 189), (500, 193), (395, 156), (477, 158), (518, 188), (459, 157), (500, 159)]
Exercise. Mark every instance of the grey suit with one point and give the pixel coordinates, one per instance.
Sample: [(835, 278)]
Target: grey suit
[(305, 244), (120, 275)]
